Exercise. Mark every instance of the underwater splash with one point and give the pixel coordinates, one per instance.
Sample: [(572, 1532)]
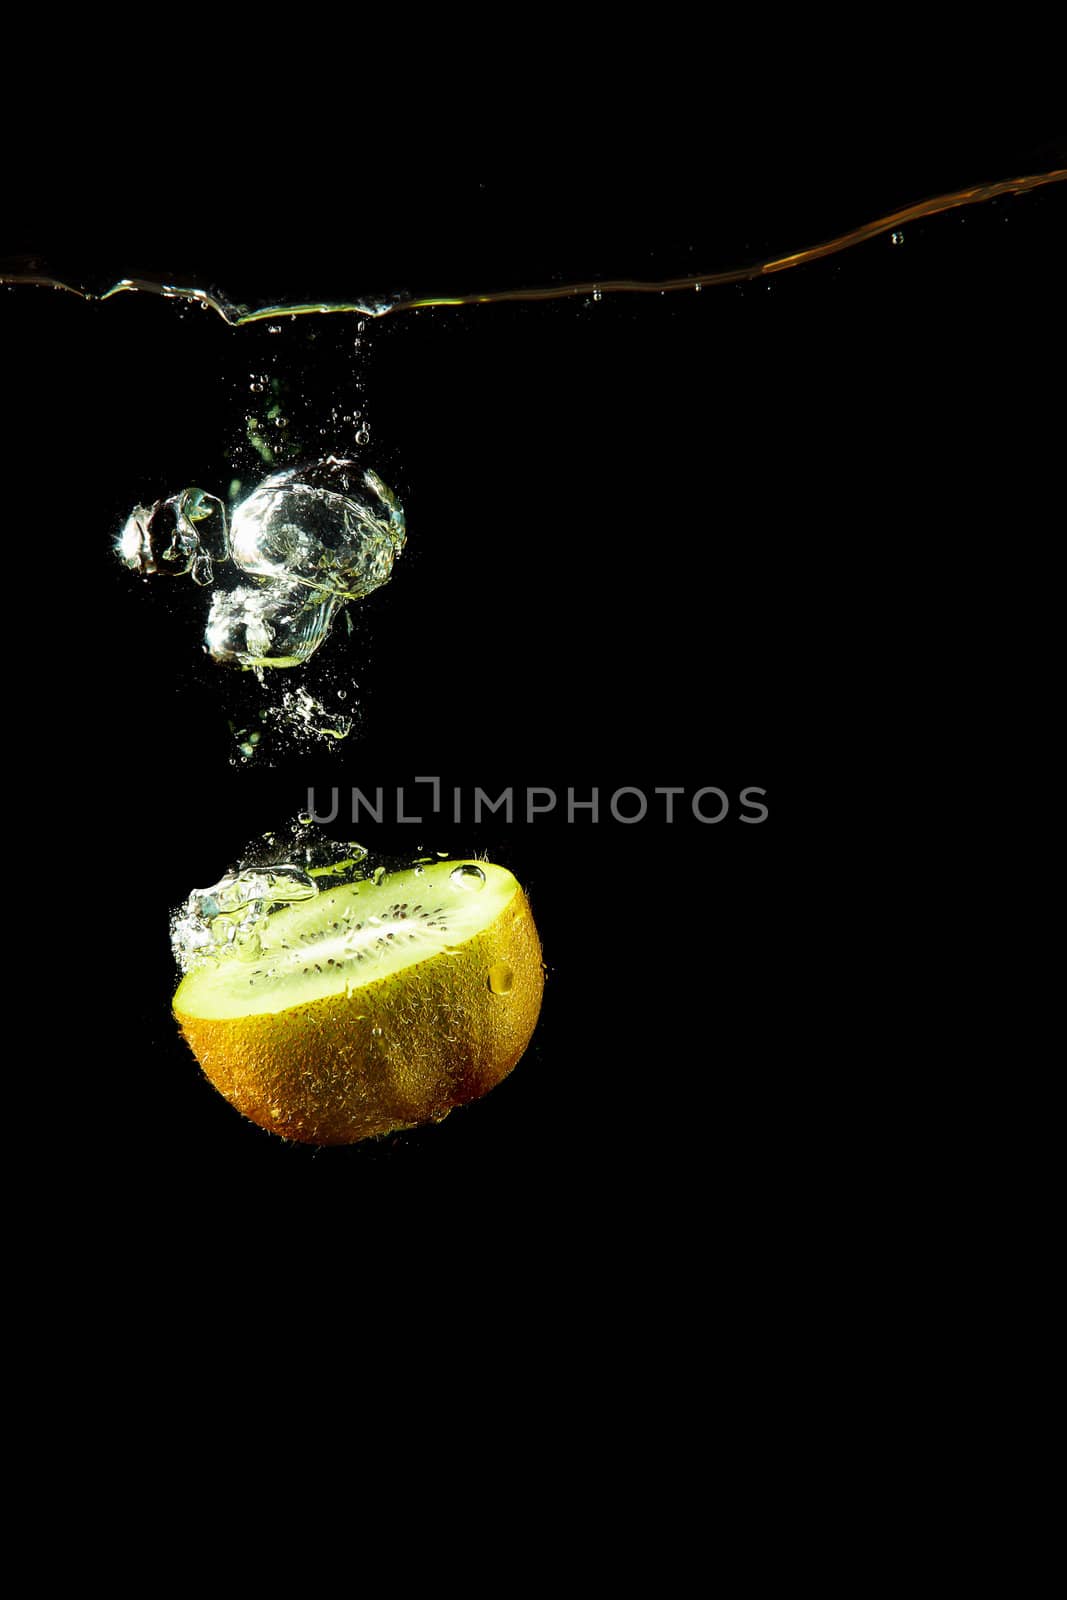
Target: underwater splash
[(308, 536)]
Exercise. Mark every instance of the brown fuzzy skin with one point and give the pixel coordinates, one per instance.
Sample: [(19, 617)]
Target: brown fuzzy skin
[(322, 1074)]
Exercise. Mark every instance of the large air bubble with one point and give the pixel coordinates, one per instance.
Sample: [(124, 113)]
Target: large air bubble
[(312, 538)]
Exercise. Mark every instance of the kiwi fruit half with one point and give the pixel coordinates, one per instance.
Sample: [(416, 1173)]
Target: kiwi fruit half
[(376, 1005)]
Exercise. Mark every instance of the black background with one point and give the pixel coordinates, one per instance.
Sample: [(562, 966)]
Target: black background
[(738, 538)]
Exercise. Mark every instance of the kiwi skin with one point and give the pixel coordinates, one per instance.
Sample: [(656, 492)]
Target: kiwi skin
[(402, 1051)]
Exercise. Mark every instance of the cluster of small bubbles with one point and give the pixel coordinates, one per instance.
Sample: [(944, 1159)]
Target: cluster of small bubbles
[(299, 712), (225, 915), (896, 238), (224, 922)]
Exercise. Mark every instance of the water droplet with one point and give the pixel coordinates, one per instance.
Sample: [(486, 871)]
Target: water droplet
[(377, 875), (501, 978), (467, 876)]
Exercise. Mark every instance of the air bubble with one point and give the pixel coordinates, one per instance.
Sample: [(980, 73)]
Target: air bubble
[(501, 978), (181, 534), (274, 625), (332, 526)]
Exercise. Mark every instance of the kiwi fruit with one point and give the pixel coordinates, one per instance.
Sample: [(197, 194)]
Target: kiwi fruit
[(377, 1005)]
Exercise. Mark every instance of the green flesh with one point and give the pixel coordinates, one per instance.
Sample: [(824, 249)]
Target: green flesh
[(348, 937)]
